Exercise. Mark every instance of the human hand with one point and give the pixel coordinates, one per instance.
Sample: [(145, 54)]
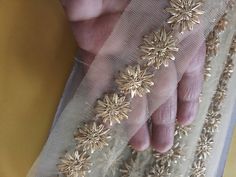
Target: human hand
[(176, 91)]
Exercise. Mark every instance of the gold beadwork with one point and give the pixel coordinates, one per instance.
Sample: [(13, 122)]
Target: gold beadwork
[(233, 47), (114, 162), (158, 48), (92, 137), (163, 162), (181, 131), (127, 169), (74, 164), (135, 81), (212, 47), (212, 44), (222, 24), (204, 146), (213, 119), (184, 14), (112, 108), (231, 4), (198, 169), (170, 156), (159, 171), (131, 168)]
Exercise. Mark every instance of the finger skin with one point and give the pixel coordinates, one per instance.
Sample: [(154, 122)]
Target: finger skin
[(91, 34), (136, 127), (189, 89), (141, 140), (79, 10), (163, 125), (165, 84)]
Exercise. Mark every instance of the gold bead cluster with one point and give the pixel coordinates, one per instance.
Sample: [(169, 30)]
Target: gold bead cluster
[(157, 49), (213, 118), (213, 42), (163, 163)]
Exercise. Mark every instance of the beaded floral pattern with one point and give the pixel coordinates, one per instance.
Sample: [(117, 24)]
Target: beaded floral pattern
[(112, 108), (213, 118), (92, 137), (184, 14), (158, 48), (135, 81), (75, 164)]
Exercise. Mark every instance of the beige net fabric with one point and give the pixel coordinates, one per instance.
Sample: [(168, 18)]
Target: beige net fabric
[(122, 49)]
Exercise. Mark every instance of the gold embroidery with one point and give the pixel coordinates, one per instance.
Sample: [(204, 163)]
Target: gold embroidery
[(92, 137), (213, 42), (114, 162), (222, 24), (232, 52), (160, 171), (212, 121), (163, 162), (213, 118), (135, 81), (198, 169), (113, 108), (231, 4), (129, 168), (184, 14), (171, 156), (204, 146), (75, 164), (181, 131), (158, 48)]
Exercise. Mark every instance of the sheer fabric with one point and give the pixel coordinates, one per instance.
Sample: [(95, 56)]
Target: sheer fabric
[(121, 49)]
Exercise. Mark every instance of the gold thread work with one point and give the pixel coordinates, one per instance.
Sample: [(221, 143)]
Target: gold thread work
[(92, 137), (112, 108), (184, 14), (158, 48)]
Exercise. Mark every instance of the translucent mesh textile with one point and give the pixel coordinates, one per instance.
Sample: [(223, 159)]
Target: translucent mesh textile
[(122, 49)]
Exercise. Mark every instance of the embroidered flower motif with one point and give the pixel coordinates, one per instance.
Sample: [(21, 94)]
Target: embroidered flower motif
[(131, 169), (184, 14), (222, 24), (233, 46), (212, 121), (158, 48), (75, 164), (114, 162), (135, 81), (212, 44), (198, 169), (113, 108), (92, 137), (181, 131), (171, 156), (219, 96), (227, 73), (160, 171), (231, 4), (204, 146), (207, 68)]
